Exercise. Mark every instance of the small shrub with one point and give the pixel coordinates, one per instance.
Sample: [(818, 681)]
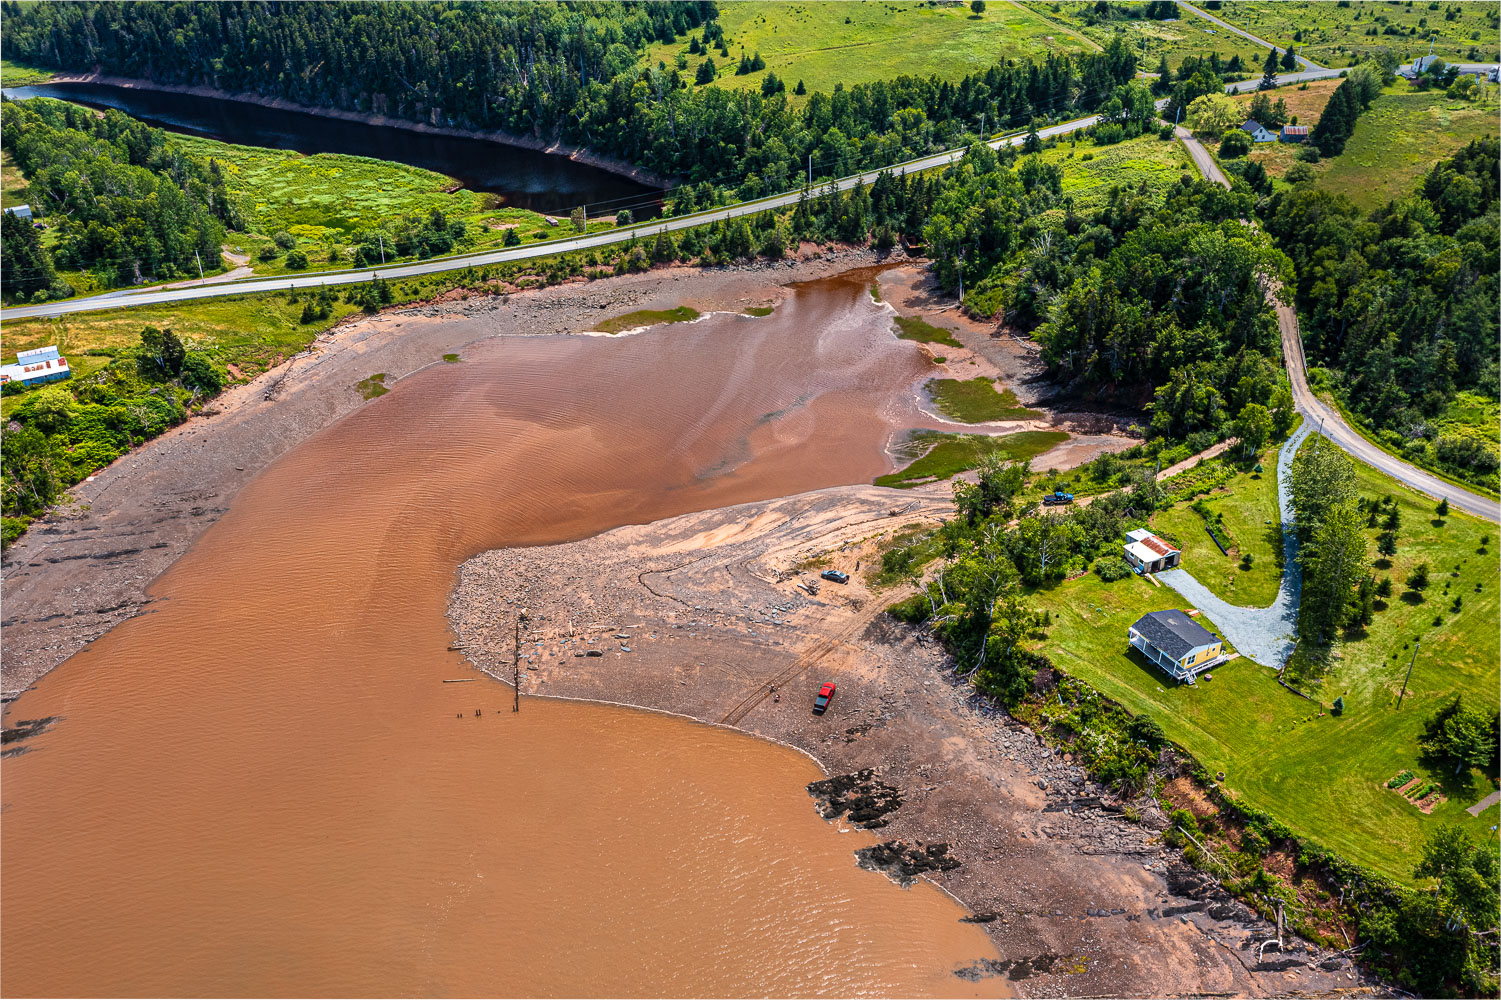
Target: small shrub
[(1112, 568)]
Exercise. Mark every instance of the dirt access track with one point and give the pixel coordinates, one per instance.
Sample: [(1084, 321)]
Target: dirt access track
[(700, 615)]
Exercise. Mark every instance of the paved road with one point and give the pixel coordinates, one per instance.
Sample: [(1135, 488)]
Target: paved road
[(121, 300), (1325, 418), (1265, 635), (1305, 63)]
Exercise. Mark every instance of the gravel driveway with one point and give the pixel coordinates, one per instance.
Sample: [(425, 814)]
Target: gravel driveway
[(1261, 634)]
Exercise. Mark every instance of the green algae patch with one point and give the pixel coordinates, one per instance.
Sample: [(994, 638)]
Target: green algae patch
[(920, 330), (647, 317), (977, 401), (373, 386)]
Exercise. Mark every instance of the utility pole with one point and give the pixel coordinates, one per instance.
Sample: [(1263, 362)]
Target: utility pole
[(961, 277), (1409, 671), (810, 168), (382, 240), (200, 264)]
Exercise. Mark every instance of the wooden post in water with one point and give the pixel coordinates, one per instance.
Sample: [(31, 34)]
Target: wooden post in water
[(516, 667)]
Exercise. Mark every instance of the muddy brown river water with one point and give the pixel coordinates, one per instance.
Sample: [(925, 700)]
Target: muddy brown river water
[(264, 787)]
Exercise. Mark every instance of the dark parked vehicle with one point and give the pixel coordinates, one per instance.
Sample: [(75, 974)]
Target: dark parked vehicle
[(1056, 498), (825, 695), (835, 575)]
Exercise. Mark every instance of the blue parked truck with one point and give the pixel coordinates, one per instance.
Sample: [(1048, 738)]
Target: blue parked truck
[(1057, 498)]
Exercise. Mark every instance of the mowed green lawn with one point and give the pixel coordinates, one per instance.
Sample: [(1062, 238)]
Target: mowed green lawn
[(1332, 35), (824, 43), (1324, 776), (1252, 524), (1151, 40), (1400, 137)]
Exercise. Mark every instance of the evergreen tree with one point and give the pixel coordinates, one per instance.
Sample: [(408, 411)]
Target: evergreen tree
[(1269, 71), (1289, 59), (28, 266)]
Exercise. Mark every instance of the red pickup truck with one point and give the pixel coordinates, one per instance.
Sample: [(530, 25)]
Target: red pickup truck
[(825, 695)]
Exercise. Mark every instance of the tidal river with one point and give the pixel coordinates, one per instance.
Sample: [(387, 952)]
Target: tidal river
[(264, 787)]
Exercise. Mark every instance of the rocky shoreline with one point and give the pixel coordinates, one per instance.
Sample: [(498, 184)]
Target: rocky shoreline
[(702, 615), (88, 565)]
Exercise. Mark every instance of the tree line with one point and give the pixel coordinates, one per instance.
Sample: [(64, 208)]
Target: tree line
[(569, 72), (122, 199), (1403, 300)]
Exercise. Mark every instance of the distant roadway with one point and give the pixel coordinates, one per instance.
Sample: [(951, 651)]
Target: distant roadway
[(1331, 424), (126, 298), (1327, 420)]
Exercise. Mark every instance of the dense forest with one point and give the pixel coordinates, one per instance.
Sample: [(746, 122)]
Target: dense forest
[(1403, 301), (124, 200), (566, 71)]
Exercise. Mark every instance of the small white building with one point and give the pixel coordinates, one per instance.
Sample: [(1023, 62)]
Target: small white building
[(1258, 132), (20, 211), (43, 364), (1148, 553)]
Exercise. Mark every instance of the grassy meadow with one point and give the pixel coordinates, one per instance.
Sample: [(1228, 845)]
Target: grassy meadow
[(1150, 40), (825, 43), (12, 183), (14, 74), (1334, 35), (1090, 172), (1400, 137), (1323, 775), (324, 199)]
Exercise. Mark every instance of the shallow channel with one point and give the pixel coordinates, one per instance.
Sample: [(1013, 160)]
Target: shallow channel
[(265, 787)]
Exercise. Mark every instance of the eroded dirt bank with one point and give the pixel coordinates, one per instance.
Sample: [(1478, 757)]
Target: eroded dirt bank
[(703, 614)]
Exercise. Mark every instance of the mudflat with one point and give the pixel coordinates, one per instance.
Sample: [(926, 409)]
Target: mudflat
[(308, 625), (708, 615), (267, 784)]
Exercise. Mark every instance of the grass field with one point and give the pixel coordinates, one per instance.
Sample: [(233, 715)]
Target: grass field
[(1151, 40), (1400, 137), (12, 184), (1323, 775), (976, 400), (825, 43), (1251, 526), (1090, 171), (13, 74), (253, 330), (1305, 101), (940, 456), (1333, 35), (327, 197)]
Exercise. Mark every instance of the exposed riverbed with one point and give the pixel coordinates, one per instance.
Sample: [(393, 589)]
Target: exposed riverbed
[(263, 786)]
